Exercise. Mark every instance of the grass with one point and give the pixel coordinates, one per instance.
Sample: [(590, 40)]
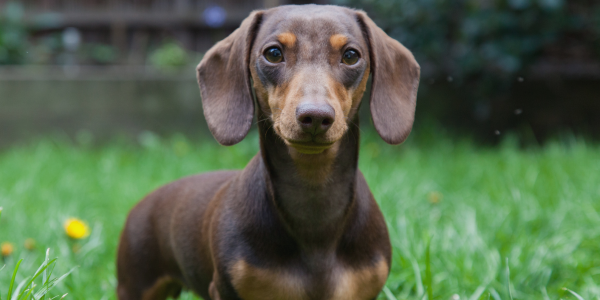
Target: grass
[(28, 289), (466, 222)]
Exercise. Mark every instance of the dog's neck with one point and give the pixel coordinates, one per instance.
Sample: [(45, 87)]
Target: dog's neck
[(312, 193)]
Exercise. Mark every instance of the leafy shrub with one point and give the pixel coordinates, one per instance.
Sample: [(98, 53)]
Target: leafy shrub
[(101, 53), (169, 56), (13, 35), (474, 53), (467, 39)]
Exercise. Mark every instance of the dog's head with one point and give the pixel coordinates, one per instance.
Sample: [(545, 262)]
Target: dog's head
[(309, 66)]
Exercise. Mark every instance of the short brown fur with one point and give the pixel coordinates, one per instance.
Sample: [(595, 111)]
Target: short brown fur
[(164, 287), (299, 221)]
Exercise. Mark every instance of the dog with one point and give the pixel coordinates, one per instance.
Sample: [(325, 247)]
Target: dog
[(299, 221)]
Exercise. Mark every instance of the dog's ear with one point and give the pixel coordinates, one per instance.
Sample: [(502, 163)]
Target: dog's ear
[(224, 80), (394, 85)]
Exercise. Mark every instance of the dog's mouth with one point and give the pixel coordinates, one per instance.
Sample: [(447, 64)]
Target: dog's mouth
[(305, 143), (308, 147)]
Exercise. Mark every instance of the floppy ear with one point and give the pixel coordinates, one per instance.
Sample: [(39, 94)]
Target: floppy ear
[(394, 84), (224, 80)]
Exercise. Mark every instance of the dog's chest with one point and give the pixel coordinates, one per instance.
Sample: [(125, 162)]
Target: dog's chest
[(340, 283)]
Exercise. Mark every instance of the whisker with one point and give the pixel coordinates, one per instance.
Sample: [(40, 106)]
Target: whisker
[(263, 120)]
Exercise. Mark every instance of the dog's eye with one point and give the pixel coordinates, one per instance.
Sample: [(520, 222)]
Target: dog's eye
[(350, 57), (274, 55)]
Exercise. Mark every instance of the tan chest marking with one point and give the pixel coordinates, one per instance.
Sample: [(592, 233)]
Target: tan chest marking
[(253, 283), (362, 284)]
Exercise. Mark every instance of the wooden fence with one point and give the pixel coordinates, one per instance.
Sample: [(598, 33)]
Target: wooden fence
[(124, 23)]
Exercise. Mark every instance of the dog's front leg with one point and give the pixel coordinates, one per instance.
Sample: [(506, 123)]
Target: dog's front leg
[(212, 289)]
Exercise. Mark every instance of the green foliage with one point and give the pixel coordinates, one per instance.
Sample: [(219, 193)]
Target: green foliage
[(467, 39), (455, 211), (13, 34), (169, 56), (101, 53), (474, 52)]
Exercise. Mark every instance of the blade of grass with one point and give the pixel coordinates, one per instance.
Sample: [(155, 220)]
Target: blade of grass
[(573, 293), (20, 287), (508, 280), (418, 278), (12, 280), (388, 293), (428, 279), (478, 292), (51, 268), (45, 276), (39, 271), (495, 294), (29, 293), (44, 290), (545, 293)]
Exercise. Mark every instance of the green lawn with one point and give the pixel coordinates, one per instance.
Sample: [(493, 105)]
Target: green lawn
[(488, 212)]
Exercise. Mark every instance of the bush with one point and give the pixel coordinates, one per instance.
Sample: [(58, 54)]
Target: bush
[(468, 39), (13, 35), (169, 56), (475, 54)]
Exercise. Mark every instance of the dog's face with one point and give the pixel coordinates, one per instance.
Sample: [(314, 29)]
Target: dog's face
[(309, 66)]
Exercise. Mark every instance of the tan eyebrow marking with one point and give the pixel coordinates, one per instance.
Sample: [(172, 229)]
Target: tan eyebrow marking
[(338, 41), (288, 39)]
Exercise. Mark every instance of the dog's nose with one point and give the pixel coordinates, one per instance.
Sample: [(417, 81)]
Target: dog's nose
[(315, 119)]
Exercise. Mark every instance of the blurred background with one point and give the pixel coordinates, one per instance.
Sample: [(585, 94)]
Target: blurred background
[(91, 69)]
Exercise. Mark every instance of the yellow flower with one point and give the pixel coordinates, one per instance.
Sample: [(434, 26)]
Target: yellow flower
[(76, 229), (435, 197), (7, 249), (29, 244)]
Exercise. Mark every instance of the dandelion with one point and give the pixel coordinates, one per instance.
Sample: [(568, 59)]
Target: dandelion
[(76, 228), (29, 244), (6, 249), (435, 197)]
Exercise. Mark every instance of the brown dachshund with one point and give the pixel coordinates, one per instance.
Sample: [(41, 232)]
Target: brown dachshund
[(299, 222)]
